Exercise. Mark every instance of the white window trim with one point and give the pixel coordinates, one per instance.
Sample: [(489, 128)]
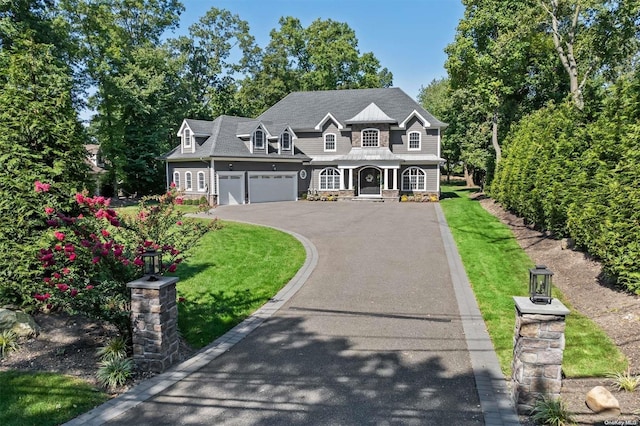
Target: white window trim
[(377, 137), (202, 188), (187, 138), (333, 177), (176, 181), (335, 142), (188, 181), (407, 172), (282, 141), (409, 141), (253, 139)]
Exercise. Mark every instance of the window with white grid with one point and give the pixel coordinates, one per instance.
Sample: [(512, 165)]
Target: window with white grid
[(330, 142), (329, 179), (414, 179), (414, 140)]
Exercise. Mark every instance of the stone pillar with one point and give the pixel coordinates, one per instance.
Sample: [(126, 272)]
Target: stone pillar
[(538, 347), (154, 319)]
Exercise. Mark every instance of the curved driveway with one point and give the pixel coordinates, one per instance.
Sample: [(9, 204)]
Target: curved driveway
[(374, 336)]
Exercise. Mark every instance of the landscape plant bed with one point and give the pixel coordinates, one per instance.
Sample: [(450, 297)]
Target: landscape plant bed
[(231, 272)]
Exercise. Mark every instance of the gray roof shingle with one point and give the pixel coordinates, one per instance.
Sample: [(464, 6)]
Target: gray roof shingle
[(303, 110)]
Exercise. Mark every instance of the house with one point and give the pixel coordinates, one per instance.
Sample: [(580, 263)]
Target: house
[(96, 166), (338, 144)]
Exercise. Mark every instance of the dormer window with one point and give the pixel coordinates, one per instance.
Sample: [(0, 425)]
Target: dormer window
[(285, 141), (370, 138), (258, 139), (187, 138), (414, 141)]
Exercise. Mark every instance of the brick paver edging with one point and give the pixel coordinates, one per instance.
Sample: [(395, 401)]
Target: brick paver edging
[(493, 392), (159, 383)]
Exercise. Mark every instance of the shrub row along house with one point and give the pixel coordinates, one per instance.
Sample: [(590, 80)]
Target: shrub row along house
[(337, 144)]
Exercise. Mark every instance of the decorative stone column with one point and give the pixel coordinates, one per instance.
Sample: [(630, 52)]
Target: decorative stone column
[(538, 348), (154, 319)]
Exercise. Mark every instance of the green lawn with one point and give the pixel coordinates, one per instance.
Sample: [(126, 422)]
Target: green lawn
[(231, 273), (498, 270), (44, 398)]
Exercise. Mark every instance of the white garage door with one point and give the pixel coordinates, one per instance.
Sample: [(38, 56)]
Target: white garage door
[(272, 186), (230, 188)]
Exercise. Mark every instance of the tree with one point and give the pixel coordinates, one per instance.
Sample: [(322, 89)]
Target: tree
[(120, 43), (42, 140), (323, 56), (591, 36), (208, 75), (436, 98)]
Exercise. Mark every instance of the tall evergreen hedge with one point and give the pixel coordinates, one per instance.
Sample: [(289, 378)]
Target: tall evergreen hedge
[(581, 178)]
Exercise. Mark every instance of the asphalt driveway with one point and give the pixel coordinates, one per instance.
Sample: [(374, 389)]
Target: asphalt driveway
[(374, 335)]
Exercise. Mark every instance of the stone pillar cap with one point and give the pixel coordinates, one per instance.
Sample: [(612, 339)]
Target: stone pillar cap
[(526, 306), (152, 285)]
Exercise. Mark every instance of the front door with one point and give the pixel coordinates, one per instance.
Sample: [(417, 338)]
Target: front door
[(370, 182)]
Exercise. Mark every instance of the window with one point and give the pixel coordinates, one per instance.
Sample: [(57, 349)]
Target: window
[(187, 181), (330, 142), (330, 179), (258, 139), (187, 138), (285, 141), (202, 184), (414, 179), (176, 179), (414, 140), (370, 137)]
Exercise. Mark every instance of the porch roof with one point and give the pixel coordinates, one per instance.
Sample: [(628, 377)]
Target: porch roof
[(369, 154)]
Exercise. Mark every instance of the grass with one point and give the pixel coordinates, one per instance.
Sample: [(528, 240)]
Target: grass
[(230, 274), (44, 398), (498, 269)]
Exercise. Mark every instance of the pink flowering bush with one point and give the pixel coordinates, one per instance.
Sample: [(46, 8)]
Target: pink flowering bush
[(87, 258)]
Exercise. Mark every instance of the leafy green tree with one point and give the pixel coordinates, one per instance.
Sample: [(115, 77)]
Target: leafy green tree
[(134, 78), (208, 73), (42, 140), (436, 98), (592, 36), (323, 56)]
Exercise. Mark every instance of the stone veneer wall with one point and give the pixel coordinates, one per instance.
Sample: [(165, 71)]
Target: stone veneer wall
[(356, 134), (154, 317), (537, 358)]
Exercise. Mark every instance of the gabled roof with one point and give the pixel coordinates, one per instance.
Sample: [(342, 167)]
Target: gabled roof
[(371, 114), (224, 142), (304, 110), (198, 127)]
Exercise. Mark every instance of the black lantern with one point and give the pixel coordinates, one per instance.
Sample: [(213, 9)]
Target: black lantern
[(152, 264), (540, 285)]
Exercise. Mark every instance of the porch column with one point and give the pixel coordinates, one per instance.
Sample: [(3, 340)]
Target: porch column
[(341, 179), (350, 179), (395, 178), (386, 179)]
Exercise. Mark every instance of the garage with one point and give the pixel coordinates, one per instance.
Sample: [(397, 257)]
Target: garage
[(230, 188), (272, 186)]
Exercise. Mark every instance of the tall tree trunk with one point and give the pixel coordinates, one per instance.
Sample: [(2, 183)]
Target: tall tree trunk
[(494, 137), (564, 47), (468, 175), (448, 171)]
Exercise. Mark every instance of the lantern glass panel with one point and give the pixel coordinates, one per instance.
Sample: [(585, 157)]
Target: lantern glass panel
[(152, 262), (540, 284)]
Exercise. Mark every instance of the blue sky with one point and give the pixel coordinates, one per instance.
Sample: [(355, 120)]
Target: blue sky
[(407, 36)]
